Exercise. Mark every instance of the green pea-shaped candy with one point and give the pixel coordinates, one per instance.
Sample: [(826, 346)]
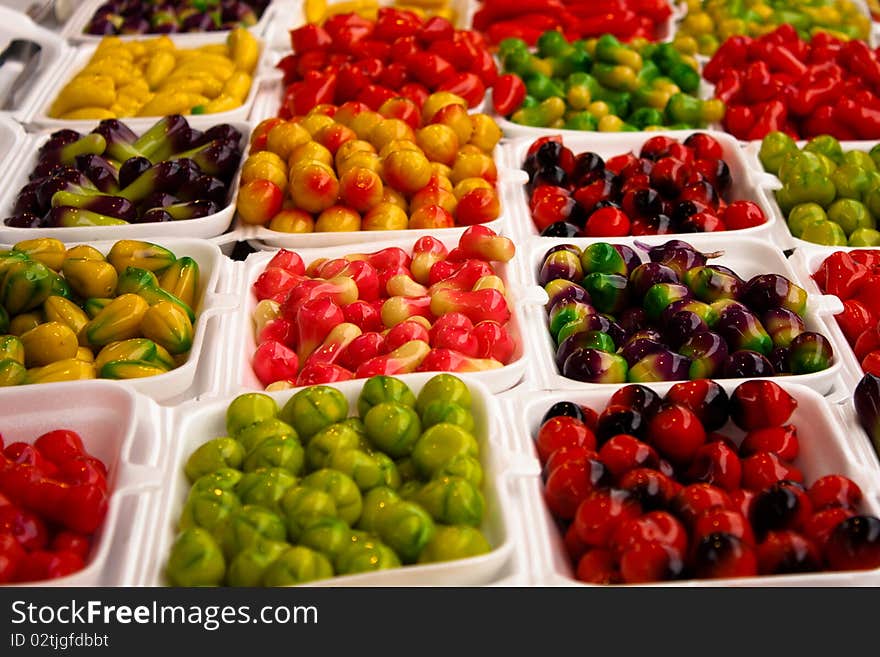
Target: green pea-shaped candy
[(603, 258), (445, 387), (452, 501), (212, 456), (356, 424), (248, 525), (443, 411), (410, 489), (195, 560), (376, 502), (388, 468), (266, 487), (406, 528), (250, 565), (255, 435), (341, 488), (326, 441), (380, 389), (406, 468), (466, 467), (222, 479), (439, 445), (363, 469), (298, 565), (302, 505), (313, 409), (329, 536), (249, 409), (280, 452), (393, 428), (454, 542), (366, 556), (208, 509)]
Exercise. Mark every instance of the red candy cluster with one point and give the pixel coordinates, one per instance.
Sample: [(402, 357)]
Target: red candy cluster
[(386, 312), (854, 277), (398, 54), (53, 497), (649, 490), (669, 187), (779, 82)]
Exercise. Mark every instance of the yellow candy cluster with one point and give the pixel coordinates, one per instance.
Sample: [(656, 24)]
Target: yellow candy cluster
[(154, 78), (317, 11)]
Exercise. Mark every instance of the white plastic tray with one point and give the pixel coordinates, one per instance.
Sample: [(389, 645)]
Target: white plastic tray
[(39, 117), (74, 29), (197, 423), (828, 445), (746, 256), (239, 374), (105, 416), (166, 387), (12, 135), (25, 159), (743, 178)]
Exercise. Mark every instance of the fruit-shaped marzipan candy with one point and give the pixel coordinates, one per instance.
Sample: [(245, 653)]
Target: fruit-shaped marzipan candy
[(95, 305), (366, 556), (208, 509), (265, 487), (249, 567), (313, 409), (452, 501), (130, 369), (298, 565), (182, 280), (47, 343), (145, 255), (144, 283), (341, 488), (595, 366), (454, 542), (809, 352), (365, 470), (25, 286), (248, 409), (195, 560), (439, 445), (709, 283), (59, 309), (12, 348), (169, 326), (283, 451), (90, 278), (439, 411), (767, 291), (50, 252), (224, 479), (743, 330), (329, 536), (380, 389), (375, 504), (303, 505), (254, 435), (12, 372), (249, 526), (135, 349), (217, 453), (330, 439), (406, 528), (393, 428), (445, 387), (69, 369), (782, 325), (118, 320)]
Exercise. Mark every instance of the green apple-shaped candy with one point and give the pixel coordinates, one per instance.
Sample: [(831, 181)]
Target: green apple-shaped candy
[(824, 232), (452, 542), (219, 480), (865, 237), (406, 528), (825, 145), (215, 454), (279, 452), (303, 505), (363, 469), (380, 389), (326, 441), (366, 556), (859, 159), (313, 409), (440, 444), (255, 435), (440, 410), (851, 181), (251, 523), (803, 214), (357, 424), (341, 488), (466, 467), (298, 565), (850, 214), (406, 468), (376, 502), (444, 387), (452, 501), (195, 560), (329, 536), (390, 474), (249, 409), (872, 200), (250, 565), (208, 509), (266, 487), (393, 428)]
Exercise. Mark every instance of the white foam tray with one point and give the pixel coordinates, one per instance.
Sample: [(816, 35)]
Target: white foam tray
[(181, 382), (195, 424), (830, 442), (746, 256), (744, 178), (74, 29), (38, 114), (23, 161), (235, 372), (105, 415)]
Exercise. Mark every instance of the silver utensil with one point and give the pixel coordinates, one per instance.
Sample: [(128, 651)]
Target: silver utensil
[(27, 53)]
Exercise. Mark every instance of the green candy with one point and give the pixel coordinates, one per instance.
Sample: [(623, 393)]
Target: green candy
[(872, 200), (594, 340), (409, 490), (543, 87), (212, 456), (443, 411), (366, 556), (850, 214), (298, 565), (195, 560), (446, 387), (452, 501), (577, 326), (798, 163), (250, 565), (774, 147), (208, 509), (12, 373), (466, 467), (454, 542), (393, 428), (390, 474), (859, 159), (224, 479), (825, 145), (380, 389), (265, 487), (344, 491), (363, 469), (608, 292), (581, 121), (552, 44), (659, 296), (329, 536), (603, 258), (874, 154), (249, 409), (852, 181), (254, 435), (568, 312), (811, 186), (406, 469), (302, 506), (865, 237), (376, 502), (646, 116), (440, 444), (247, 526), (313, 409), (804, 214), (326, 441), (280, 452), (406, 528), (709, 284)]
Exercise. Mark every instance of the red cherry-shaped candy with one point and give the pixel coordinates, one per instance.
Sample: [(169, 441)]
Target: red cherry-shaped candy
[(681, 152), (855, 544), (764, 469), (835, 490), (743, 214), (27, 528), (760, 403), (607, 222), (652, 488), (650, 562), (820, 525), (782, 441), (722, 555), (571, 483), (601, 513), (742, 501), (693, 500), (727, 521), (623, 453), (636, 396), (718, 464), (598, 566), (615, 420), (654, 526), (676, 432), (574, 546), (704, 146), (568, 453), (787, 551), (656, 147), (11, 554), (493, 341), (707, 399), (620, 162), (669, 176), (784, 505), (562, 431)]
